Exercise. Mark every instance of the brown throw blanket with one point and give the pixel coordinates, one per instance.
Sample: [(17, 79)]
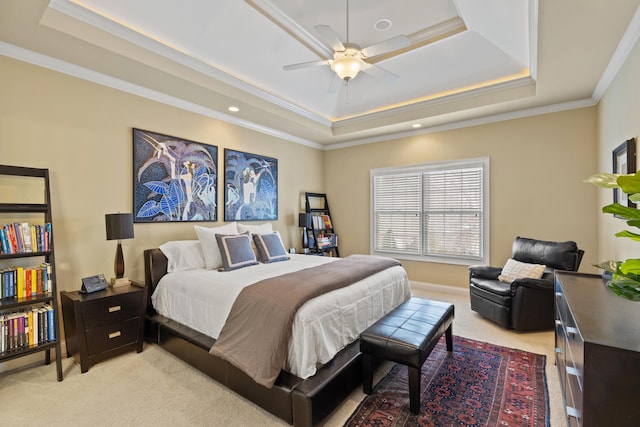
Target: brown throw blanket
[(257, 332)]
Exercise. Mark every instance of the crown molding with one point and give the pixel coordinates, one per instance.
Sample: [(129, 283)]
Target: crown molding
[(63, 67), (627, 43), (102, 23)]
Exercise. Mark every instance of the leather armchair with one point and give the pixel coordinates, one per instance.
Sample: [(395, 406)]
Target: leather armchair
[(525, 304)]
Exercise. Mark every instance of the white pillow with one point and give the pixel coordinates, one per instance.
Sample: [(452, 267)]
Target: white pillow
[(513, 270), (207, 237), (265, 228), (183, 255)]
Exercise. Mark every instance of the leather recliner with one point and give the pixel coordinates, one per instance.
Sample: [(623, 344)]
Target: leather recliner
[(525, 304)]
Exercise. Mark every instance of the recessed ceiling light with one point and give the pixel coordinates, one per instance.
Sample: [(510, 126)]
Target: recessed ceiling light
[(416, 125), (383, 24), (233, 109)]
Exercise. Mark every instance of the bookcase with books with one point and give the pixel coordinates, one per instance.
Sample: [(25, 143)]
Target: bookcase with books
[(322, 236), (29, 320)]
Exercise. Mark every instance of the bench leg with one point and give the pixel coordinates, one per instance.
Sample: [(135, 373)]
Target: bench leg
[(414, 389), (367, 373), (449, 337)]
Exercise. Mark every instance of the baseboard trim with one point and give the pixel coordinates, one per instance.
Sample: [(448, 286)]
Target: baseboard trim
[(425, 286)]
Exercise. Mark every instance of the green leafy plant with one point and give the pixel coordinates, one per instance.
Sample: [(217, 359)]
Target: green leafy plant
[(625, 275)]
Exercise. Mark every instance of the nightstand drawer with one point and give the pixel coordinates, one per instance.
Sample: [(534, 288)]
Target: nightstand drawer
[(109, 337), (113, 309)]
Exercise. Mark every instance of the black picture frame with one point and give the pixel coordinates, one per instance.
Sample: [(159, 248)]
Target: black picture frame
[(624, 162), (251, 186), (174, 179)]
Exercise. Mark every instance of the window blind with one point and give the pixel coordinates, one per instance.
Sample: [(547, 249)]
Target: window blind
[(434, 210)]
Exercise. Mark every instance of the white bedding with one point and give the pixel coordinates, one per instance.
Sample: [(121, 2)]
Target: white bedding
[(202, 300)]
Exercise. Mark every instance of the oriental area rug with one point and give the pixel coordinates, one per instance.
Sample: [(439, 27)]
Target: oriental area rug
[(479, 384)]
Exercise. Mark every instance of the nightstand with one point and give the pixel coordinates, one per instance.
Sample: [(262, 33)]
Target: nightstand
[(103, 324)]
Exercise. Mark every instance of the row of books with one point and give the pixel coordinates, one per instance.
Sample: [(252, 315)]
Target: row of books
[(325, 241), (28, 328), (22, 282), (321, 222), (22, 237)]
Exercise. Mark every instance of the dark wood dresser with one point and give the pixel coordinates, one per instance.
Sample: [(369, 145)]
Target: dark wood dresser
[(103, 324), (597, 352)]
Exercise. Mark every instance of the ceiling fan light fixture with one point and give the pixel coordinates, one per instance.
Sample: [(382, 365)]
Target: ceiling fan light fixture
[(347, 64)]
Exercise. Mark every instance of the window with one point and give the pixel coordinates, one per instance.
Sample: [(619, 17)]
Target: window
[(434, 212)]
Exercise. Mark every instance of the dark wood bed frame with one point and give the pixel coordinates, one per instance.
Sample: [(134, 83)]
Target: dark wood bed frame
[(299, 402)]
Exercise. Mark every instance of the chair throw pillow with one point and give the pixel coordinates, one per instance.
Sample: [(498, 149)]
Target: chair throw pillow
[(236, 251), (270, 247), (513, 270)]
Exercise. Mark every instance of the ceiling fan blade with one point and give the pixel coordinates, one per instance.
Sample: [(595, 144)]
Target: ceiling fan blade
[(379, 72), (329, 36), (385, 46), (305, 65)]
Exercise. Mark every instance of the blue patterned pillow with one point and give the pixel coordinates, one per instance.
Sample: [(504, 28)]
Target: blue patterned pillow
[(236, 251), (270, 247)]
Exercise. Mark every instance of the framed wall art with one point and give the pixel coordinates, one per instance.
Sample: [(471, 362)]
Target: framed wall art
[(174, 179), (624, 162), (250, 187)]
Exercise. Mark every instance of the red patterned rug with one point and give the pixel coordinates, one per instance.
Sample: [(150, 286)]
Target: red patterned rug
[(479, 384)]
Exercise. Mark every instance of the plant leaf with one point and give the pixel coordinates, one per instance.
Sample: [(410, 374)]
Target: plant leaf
[(622, 211), (603, 180), (630, 184), (626, 233)]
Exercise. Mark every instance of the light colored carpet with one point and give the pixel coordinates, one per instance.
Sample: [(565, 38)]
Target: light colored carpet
[(154, 388)]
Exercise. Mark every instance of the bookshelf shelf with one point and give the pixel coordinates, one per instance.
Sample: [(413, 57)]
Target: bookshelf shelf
[(29, 316), (323, 238)]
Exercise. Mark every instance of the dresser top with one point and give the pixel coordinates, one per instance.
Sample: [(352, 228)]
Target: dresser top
[(601, 316)]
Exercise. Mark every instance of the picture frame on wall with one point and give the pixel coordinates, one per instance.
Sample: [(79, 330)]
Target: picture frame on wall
[(624, 162), (250, 187), (174, 179)]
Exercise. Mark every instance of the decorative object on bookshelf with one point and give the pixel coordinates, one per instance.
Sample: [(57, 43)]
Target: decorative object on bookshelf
[(322, 236), (28, 297), (304, 222), (119, 226), (623, 278)]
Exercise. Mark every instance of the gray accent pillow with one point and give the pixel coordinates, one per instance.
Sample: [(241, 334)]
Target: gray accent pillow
[(236, 251), (270, 247)]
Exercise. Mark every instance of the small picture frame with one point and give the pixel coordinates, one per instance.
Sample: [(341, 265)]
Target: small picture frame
[(624, 162)]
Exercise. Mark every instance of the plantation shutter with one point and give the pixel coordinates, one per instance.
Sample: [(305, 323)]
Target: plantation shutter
[(398, 213), (453, 214)]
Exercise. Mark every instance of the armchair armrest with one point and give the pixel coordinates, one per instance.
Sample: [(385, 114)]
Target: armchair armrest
[(531, 284), (484, 272)]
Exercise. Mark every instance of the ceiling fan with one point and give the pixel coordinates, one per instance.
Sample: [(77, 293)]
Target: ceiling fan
[(348, 58)]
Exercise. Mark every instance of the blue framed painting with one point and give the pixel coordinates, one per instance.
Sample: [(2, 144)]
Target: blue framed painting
[(251, 187), (174, 179)]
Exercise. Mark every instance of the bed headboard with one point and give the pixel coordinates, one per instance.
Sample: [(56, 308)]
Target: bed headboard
[(155, 266)]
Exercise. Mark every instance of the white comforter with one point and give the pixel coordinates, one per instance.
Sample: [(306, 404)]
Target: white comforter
[(202, 300)]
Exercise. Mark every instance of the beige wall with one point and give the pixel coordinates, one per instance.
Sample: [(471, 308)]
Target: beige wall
[(82, 132), (537, 165), (619, 119)]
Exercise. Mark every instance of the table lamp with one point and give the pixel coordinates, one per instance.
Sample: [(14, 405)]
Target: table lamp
[(304, 221), (119, 226)]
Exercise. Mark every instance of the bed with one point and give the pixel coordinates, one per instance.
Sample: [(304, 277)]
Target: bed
[(319, 372)]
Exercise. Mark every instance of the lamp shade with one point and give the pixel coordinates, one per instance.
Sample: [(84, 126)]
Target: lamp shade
[(119, 226), (304, 220)]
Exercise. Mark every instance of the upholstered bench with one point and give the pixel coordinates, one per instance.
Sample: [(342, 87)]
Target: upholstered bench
[(406, 335)]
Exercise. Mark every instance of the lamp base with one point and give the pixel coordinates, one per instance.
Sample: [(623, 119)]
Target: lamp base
[(121, 281)]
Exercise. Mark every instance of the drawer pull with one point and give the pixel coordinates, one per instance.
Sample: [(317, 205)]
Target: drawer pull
[(571, 330), (115, 308), (558, 350), (572, 371), (115, 334), (572, 412), (558, 322)]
